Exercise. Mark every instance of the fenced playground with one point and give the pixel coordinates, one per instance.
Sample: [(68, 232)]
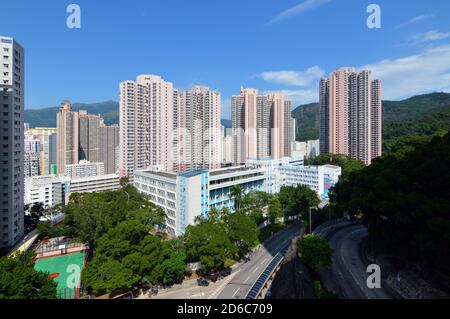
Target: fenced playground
[(63, 260)]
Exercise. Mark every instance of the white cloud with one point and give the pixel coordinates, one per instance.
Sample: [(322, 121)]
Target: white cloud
[(425, 72), (428, 71), (298, 9), (294, 78), (430, 36), (416, 19)]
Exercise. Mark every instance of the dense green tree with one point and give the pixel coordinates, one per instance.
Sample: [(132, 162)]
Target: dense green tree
[(274, 209), (107, 275), (19, 279), (243, 232), (315, 252), (404, 201), (297, 200), (209, 244)]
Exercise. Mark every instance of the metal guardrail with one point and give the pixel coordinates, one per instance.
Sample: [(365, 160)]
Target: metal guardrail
[(262, 279)]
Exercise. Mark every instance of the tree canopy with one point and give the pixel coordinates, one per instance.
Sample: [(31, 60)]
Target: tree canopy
[(315, 252), (19, 279), (297, 200), (405, 202)]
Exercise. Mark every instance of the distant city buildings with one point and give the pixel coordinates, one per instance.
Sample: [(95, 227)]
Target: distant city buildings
[(351, 114), (12, 73), (162, 126), (83, 136), (41, 142), (262, 126)]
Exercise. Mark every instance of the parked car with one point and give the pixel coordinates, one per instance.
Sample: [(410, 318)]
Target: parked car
[(202, 282)]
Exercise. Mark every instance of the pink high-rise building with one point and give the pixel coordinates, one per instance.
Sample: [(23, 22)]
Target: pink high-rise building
[(262, 126), (350, 114), (163, 127)]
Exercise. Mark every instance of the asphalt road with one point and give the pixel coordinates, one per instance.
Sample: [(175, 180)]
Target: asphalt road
[(248, 273), (347, 276)]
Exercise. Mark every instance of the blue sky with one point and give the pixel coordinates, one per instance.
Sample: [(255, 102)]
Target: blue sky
[(272, 45)]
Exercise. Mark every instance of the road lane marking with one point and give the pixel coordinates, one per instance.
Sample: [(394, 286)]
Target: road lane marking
[(246, 279), (235, 292), (254, 270)]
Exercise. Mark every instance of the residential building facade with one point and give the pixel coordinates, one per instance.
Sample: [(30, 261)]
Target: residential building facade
[(12, 81), (351, 114)]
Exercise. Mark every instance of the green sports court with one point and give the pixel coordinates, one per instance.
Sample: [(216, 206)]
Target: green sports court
[(58, 268)]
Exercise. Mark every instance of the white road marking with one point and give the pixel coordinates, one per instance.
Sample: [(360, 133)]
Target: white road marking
[(235, 292), (246, 279), (254, 270)]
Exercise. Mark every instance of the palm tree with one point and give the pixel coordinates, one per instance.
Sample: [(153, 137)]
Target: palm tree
[(236, 193)]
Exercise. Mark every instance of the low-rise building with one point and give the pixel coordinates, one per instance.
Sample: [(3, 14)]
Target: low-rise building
[(52, 190), (91, 184), (191, 194), (309, 149), (84, 169), (48, 190)]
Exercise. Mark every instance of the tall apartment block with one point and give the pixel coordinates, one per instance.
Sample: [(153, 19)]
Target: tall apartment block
[(67, 132), (146, 124), (351, 114), (198, 129), (163, 127), (109, 147), (262, 126), (82, 136), (12, 73)]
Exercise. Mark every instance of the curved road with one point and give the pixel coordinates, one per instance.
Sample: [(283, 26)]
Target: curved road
[(249, 272), (347, 276)]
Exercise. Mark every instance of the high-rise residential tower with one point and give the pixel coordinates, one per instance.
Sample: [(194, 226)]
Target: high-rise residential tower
[(83, 136), (163, 127), (198, 126), (350, 114), (67, 135), (12, 72), (146, 124), (109, 147), (262, 126)]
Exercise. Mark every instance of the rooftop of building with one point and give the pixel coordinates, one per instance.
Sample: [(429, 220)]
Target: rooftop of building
[(331, 166), (230, 170), (158, 173)]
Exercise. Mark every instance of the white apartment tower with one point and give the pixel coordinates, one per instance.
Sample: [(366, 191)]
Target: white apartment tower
[(351, 114), (12, 73)]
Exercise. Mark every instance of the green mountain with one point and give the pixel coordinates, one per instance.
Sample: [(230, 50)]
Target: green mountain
[(419, 116), (109, 110), (307, 122)]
